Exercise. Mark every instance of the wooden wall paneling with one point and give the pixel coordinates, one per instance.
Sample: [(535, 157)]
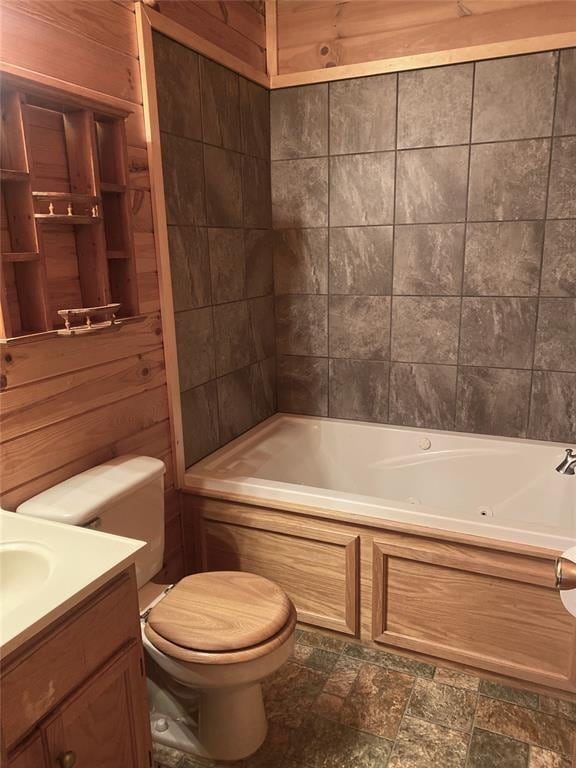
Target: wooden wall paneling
[(106, 23), (34, 49), (317, 21), (101, 73), (427, 601), (48, 401), (363, 41), (272, 37), (239, 15), (32, 359), (158, 206), (138, 171), (28, 455), (193, 534), (218, 29)]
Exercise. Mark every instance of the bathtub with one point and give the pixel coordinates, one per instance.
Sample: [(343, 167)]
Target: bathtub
[(501, 488), (437, 543)]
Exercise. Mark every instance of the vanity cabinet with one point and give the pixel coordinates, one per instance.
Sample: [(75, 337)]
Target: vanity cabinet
[(77, 693), (30, 754)]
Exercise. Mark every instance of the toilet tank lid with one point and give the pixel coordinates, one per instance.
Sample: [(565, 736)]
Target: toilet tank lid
[(82, 497)]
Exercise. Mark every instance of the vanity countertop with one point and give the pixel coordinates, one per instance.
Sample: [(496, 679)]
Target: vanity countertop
[(46, 568)]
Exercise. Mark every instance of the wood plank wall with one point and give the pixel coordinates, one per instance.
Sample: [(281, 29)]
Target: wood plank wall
[(70, 403), (320, 34), (236, 26)]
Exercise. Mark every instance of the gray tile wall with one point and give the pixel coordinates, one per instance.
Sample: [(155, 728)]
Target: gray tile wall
[(216, 156), (425, 247)]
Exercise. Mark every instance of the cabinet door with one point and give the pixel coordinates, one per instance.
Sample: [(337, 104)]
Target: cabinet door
[(29, 756), (105, 724)]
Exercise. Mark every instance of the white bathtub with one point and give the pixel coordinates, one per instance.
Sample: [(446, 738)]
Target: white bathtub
[(492, 487)]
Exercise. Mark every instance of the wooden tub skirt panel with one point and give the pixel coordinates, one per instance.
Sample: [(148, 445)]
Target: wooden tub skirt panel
[(457, 599), (500, 624)]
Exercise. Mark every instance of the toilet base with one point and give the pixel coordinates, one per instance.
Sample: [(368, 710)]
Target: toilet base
[(222, 724), (232, 723)]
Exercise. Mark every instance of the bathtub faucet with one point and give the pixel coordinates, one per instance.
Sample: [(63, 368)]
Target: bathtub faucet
[(568, 464)]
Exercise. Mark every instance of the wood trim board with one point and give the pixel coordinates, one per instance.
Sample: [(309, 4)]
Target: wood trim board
[(183, 35), (272, 38), (144, 25)]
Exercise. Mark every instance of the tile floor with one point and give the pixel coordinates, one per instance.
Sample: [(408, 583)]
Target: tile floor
[(341, 705)]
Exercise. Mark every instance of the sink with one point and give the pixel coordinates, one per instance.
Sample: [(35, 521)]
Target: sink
[(25, 567), (46, 568)]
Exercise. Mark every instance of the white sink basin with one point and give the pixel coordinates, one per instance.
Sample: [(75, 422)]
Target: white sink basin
[(24, 567), (47, 568)]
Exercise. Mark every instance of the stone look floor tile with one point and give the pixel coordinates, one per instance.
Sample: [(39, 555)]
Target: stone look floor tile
[(426, 745), (342, 677), (301, 653), (338, 704), (328, 705), (543, 758), (490, 750), (291, 692), (322, 660), (326, 744), (536, 728), (443, 704), (317, 640), (377, 701), (559, 707), (456, 678), (507, 693), (391, 660)]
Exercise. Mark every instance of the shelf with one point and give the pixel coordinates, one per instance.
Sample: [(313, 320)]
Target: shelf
[(63, 218), (7, 176), (14, 257), (106, 186), (117, 255), (73, 197)]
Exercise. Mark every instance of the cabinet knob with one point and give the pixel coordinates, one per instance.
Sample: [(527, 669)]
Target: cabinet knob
[(67, 760)]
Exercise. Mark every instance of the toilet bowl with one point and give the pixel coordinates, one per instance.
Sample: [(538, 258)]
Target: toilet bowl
[(210, 639), (210, 642)]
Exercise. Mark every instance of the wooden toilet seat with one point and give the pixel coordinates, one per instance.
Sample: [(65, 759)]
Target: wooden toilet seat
[(221, 617)]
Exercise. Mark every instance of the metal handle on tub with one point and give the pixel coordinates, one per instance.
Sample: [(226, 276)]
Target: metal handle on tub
[(565, 572)]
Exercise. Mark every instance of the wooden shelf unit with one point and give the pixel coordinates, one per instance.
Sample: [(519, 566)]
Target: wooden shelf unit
[(66, 220)]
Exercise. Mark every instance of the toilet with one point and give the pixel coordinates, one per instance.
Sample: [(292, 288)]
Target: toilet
[(209, 640)]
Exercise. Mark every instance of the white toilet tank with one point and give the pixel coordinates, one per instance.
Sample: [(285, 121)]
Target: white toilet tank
[(124, 496)]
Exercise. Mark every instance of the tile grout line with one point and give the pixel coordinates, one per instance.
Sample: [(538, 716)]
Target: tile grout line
[(545, 220), (465, 243), (295, 158), (393, 255)]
